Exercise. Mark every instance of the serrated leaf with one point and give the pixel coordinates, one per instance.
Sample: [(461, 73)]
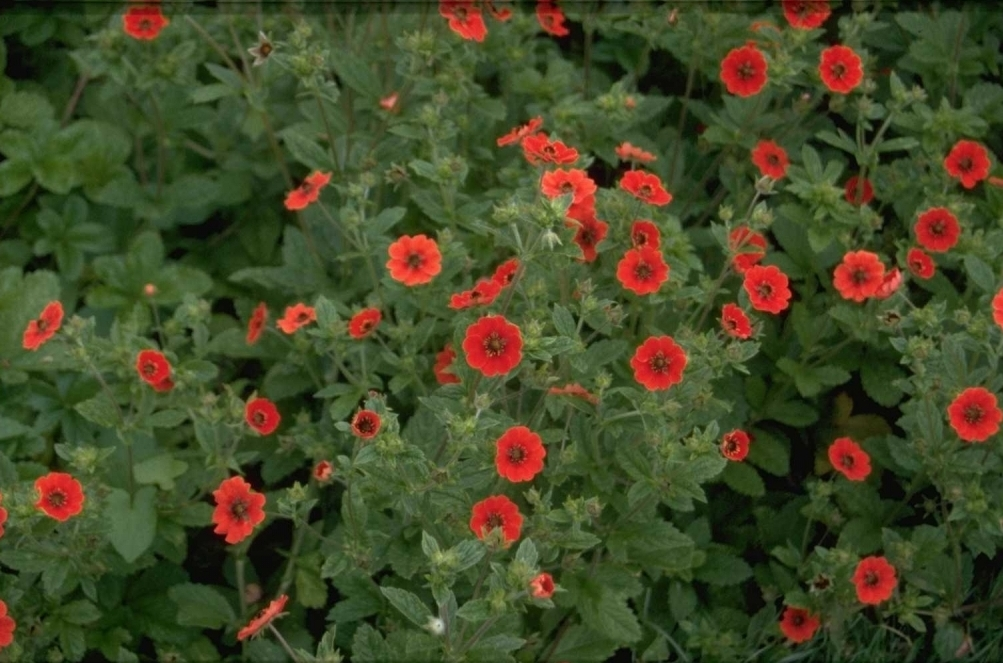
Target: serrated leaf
[(744, 479), (770, 453), (101, 410), (877, 378), (132, 524), (980, 273), (527, 553), (161, 470), (201, 605), (564, 322), (723, 569), (408, 604)]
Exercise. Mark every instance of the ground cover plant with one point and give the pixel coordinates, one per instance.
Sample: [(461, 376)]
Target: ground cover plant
[(476, 331)]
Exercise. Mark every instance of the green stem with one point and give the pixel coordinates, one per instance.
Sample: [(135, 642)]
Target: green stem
[(283, 643)]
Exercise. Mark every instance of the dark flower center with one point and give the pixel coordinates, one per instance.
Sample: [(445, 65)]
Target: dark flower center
[(973, 414), (239, 509), (764, 290), (365, 425), (645, 191), (659, 363), (640, 238), (746, 70), (495, 520), (259, 418), (731, 446), (414, 261), (302, 317), (149, 369), (567, 187), (837, 70), (145, 24), (847, 461), (773, 159), (587, 236), (494, 344), (797, 620), (937, 228), (265, 49), (871, 578), (643, 271), (516, 454), (859, 276), (965, 164), (56, 498)]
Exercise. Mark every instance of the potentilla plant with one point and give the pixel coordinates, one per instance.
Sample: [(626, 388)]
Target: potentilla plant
[(468, 331)]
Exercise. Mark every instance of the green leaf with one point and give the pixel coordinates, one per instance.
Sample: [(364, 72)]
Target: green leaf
[(307, 151), (564, 322), (356, 73), (723, 569), (468, 553), (161, 470), (15, 174), (744, 479), (584, 645), (131, 527), (79, 612), (201, 605), (793, 413), (682, 600), (611, 617), (527, 553), (166, 419), (877, 378), (25, 110), (212, 92), (770, 453), (409, 605), (101, 410), (980, 273), (475, 611)]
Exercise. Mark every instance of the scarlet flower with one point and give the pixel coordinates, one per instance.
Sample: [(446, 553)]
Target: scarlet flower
[(366, 424), (263, 618), (858, 192), (520, 132), (7, 626), (364, 322), (441, 368), (798, 625), (60, 496), (44, 327), (998, 308), (859, 275), (144, 22), (576, 390), (154, 369), (493, 345), (505, 273), (574, 181), (465, 19), (389, 102), (743, 70), (937, 229), (590, 233), (256, 324), (771, 159), (297, 316), (646, 187), (974, 414), (767, 288), (806, 15), (889, 284), (658, 363), (538, 149), (308, 192), (645, 233), (519, 454), (841, 69), (735, 322), (642, 270), (3, 517), (322, 471), (262, 415), (967, 161), (875, 580), (849, 459), (494, 512), (735, 445), (414, 260), (551, 18), (748, 247), (627, 152), (482, 294), (542, 586), (920, 263), (502, 14), (238, 509)]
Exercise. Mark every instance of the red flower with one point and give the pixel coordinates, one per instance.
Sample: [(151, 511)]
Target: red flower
[(263, 618), (517, 134), (889, 284), (322, 471), (875, 580), (937, 229), (482, 294), (542, 586), (974, 414), (771, 159), (998, 308), (735, 322), (60, 496), (645, 233), (858, 192), (45, 327), (519, 454), (798, 625), (591, 232), (735, 445), (575, 181), (505, 273), (7, 627), (441, 368), (551, 18), (748, 246), (465, 18), (297, 316), (576, 390), (849, 459), (806, 15), (238, 509), (658, 363), (414, 260), (366, 424), (144, 22), (364, 322), (494, 512), (3, 517), (967, 161), (262, 415), (743, 70), (502, 14), (308, 192), (154, 369), (493, 345), (642, 270), (841, 69), (859, 275), (538, 149), (767, 288), (646, 187), (256, 324), (389, 102), (920, 264), (627, 152)]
